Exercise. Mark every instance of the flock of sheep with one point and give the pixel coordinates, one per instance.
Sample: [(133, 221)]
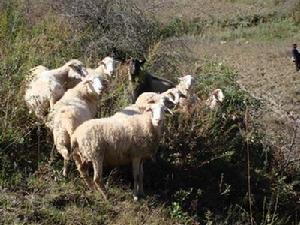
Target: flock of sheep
[(65, 100)]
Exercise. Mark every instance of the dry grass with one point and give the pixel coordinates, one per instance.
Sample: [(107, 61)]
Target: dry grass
[(167, 10), (47, 198), (200, 176)]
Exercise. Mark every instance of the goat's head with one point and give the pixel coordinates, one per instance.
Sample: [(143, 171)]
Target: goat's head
[(134, 67)]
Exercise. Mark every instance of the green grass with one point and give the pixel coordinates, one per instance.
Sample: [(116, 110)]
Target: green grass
[(200, 173), (264, 32)]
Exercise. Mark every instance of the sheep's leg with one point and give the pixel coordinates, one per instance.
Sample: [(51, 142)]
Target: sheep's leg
[(52, 102), (66, 167), (62, 143), (52, 154), (141, 182), (65, 154), (136, 177), (98, 167), (82, 168)]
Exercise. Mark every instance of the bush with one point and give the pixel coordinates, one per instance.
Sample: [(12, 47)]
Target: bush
[(113, 23)]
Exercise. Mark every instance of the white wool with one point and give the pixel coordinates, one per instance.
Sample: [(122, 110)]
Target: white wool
[(173, 95), (75, 107), (45, 86), (118, 140)]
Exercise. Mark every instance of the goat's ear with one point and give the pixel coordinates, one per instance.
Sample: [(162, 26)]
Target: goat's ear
[(113, 52), (142, 61), (167, 110)]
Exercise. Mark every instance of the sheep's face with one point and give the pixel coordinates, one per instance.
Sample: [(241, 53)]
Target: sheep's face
[(215, 97), (187, 82), (157, 114), (175, 96), (76, 69), (77, 72), (219, 95), (109, 65), (95, 85), (211, 102)]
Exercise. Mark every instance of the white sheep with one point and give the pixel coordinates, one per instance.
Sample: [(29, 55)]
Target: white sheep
[(48, 86), (118, 140), (76, 106), (215, 98), (35, 71)]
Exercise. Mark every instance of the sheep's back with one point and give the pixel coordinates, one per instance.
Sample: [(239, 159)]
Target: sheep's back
[(117, 139)]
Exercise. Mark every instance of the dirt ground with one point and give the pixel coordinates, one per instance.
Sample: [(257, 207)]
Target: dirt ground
[(264, 68), (266, 72), (167, 10)]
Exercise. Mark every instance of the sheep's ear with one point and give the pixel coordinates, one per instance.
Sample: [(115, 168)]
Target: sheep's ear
[(148, 108), (142, 108), (127, 61), (73, 66), (105, 83), (101, 63), (181, 95), (87, 80)]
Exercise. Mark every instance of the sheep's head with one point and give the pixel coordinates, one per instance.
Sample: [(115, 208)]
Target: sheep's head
[(96, 84), (215, 97), (186, 83), (109, 65), (77, 69), (175, 95), (157, 111), (218, 93)]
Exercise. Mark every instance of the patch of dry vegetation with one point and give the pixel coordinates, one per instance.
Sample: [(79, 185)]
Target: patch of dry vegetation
[(210, 165), (208, 10)]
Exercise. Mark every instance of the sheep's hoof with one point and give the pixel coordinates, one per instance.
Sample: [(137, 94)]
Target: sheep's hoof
[(139, 196)]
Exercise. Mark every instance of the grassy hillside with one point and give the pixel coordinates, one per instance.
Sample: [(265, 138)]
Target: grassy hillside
[(236, 165)]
